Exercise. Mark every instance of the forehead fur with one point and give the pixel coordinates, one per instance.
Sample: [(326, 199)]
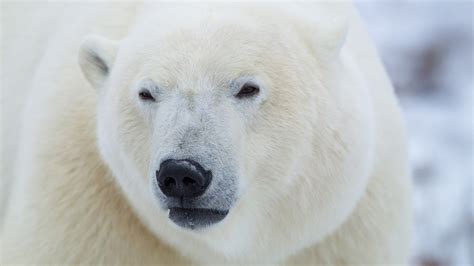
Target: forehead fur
[(215, 39), (213, 42)]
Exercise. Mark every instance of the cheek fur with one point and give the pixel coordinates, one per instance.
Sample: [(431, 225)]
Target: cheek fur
[(135, 134)]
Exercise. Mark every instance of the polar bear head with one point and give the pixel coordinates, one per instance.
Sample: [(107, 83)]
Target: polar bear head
[(232, 129)]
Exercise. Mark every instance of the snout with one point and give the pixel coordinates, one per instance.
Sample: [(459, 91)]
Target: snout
[(183, 178), (184, 181)]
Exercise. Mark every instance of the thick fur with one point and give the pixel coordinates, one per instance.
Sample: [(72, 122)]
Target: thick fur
[(313, 169)]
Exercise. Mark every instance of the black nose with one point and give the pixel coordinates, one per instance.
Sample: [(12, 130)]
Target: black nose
[(182, 178)]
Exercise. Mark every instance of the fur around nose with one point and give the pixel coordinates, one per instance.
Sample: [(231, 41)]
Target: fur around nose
[(183, 178)]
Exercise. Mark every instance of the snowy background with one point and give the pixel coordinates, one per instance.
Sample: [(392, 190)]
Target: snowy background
[(427, 48)]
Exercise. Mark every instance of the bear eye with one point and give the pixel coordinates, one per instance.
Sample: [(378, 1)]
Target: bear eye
[(248, 90), (145, 95)]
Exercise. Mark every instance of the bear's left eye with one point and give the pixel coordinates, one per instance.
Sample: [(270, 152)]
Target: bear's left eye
[(248, 90), (145, 95)]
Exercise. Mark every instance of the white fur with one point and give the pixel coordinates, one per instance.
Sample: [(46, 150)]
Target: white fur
[(313, 169)]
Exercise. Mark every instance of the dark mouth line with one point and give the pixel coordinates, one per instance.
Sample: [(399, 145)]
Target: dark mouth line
[(210, 211), (196, 218)]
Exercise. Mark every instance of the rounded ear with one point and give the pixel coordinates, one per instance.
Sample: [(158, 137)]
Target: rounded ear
[(331, 36), (96, 58)]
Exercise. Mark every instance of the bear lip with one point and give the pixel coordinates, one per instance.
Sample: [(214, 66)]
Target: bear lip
[(196, 218)]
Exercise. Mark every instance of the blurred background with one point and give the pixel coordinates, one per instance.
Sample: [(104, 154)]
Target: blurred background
[(427, 48)]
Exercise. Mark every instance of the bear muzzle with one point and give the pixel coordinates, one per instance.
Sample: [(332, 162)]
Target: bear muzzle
[(184, 181)]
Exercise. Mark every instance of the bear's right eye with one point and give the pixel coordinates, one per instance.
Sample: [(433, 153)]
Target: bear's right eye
[(145, 95)]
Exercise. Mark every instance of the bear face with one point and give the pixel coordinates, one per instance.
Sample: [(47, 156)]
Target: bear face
[(214, 125)]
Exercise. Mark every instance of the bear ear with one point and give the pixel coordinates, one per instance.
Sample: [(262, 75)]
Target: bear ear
[(96, 57), (332, 36)]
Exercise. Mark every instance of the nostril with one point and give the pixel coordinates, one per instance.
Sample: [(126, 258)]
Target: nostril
[(188, 181), (169, 181)]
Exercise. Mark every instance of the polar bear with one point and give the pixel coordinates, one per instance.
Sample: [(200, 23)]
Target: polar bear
[(216, 134)]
